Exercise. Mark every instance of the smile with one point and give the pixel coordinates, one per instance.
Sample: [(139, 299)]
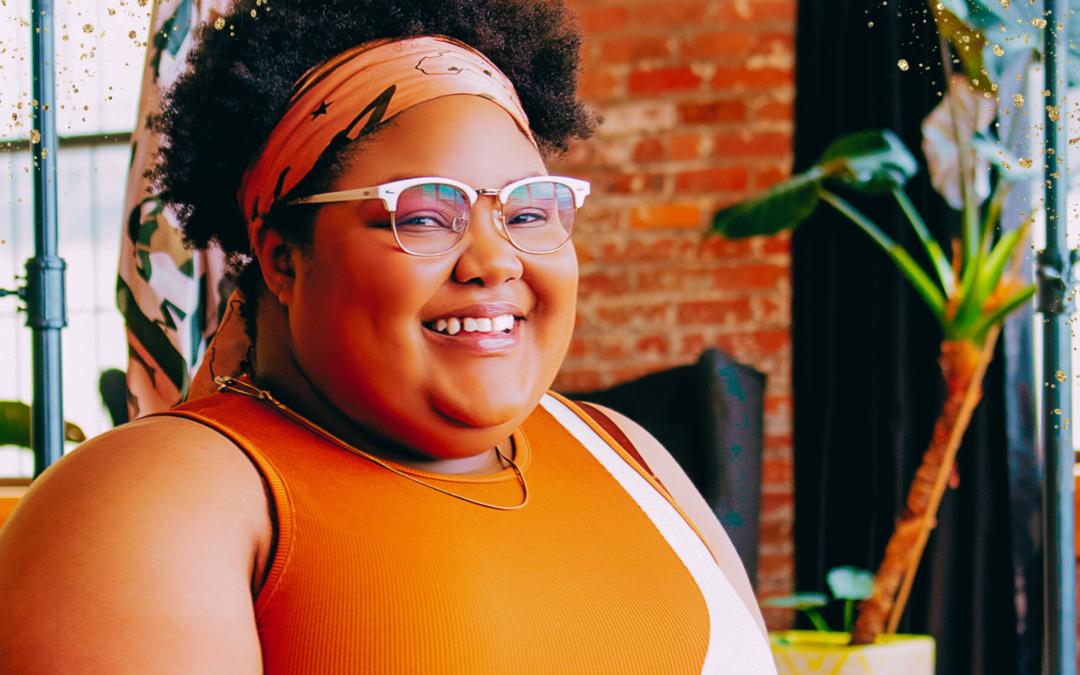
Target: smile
[(503, 323)]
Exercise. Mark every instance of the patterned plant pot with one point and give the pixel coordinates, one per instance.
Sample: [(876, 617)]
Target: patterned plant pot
[(806, 652)]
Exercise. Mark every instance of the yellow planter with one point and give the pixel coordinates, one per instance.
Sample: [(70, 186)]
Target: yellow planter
[(806, 652)]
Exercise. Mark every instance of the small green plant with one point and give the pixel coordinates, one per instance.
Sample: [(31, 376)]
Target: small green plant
[(846, 583), (15, 425)]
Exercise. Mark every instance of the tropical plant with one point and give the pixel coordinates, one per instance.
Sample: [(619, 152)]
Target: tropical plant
[(846, 583), (971, 293), (15, 425)]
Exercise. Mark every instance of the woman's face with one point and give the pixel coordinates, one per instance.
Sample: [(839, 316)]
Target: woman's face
[(363, 313)]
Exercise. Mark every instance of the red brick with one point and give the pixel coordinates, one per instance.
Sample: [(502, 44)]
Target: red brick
[(716, 246), (771, 176), (774, 311), (597, 219), (775, 504), (693, 344), (750, 277), (603, 283), (675, 13), (597, 84), (741, 77), (768, 43), (749, 343), (638, 251), (611, 351), (778, 442), (621, 316), (600, 19), (722, 44), (685, 147), (578, 348), (631, 183), (777, 618), (579, 380), (715, 311), (665, 216), (774, 111), (710, 112), (649, 150), (778, 471), (776, 402), (757, 10), (681, 280), (663, 80), (780, 243), (629, 49), (654, 344), (719, 179), (739, 146)]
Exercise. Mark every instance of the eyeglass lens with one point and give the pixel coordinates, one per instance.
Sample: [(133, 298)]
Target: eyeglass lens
[(431, 218)]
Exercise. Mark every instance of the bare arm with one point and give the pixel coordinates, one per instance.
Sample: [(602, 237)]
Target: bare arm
[(135, 554), (694, 505)]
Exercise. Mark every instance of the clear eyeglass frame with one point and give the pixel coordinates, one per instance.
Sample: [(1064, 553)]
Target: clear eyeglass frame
[(388, 193)]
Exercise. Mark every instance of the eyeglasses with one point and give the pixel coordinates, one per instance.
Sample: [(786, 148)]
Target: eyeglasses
[(429, 215)]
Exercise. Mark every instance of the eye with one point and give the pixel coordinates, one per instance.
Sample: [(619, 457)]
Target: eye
[(419, 223), (527, 218)]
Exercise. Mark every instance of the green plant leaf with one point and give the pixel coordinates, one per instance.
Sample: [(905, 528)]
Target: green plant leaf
[(800, 601), (977, 332), (781, 207), (850, 583), (922, 282), (869, 162), (15, 425), (933, 249), (995, 263)]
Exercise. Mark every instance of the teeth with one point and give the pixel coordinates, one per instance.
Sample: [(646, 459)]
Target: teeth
[(503, 323), (468, 324)]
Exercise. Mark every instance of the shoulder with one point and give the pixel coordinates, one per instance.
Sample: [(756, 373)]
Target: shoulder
[(682, 490), (152, 529)]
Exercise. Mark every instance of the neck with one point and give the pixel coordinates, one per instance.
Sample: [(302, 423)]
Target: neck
[(278, 371)]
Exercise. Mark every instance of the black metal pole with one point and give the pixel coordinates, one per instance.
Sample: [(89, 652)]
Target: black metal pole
[(1055, 304), (45, 303)]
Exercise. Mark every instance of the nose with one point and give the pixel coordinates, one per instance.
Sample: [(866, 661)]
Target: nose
[(487, 257)]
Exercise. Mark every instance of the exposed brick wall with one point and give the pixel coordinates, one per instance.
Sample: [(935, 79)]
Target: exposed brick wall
[(697, 95)]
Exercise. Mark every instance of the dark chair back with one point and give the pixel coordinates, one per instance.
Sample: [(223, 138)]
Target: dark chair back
[(710, 417)]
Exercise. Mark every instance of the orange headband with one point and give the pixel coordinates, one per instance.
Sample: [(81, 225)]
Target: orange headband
[(336, 102)]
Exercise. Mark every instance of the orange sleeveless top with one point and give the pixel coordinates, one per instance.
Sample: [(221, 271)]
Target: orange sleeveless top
[(374, 573)]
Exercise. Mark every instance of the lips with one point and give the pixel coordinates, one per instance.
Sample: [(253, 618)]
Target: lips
[(485, 326)]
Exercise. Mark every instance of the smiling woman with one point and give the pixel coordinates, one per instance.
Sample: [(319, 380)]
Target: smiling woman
[(389, 487)]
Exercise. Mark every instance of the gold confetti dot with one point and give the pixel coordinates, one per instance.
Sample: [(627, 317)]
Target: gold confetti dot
[(1038, 23), (998, 51), (253, 13), (903, 64), (142, 3), (1025, 162), (65, 38), (1057, 411), (1018, 100), (112, 12), (35, 136), (1005, 4), (1045, 92), (1060, 375), (219, 23), (1054, 113), (88, 28), (131, 34)]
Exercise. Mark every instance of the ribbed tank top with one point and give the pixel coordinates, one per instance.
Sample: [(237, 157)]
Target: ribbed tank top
[(373, 573)]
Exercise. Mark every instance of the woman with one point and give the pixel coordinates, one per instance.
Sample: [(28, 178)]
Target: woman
[(389, 488)]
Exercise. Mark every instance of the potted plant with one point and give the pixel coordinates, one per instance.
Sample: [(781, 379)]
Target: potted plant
[(823, 651), (970, 292)]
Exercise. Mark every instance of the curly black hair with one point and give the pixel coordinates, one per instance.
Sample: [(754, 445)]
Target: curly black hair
[(223, 110)]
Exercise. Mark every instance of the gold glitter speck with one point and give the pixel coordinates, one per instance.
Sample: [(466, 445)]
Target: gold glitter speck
[(903, 64), (131, 34), (1018, 100), (1026, 163), (1054, 113), (253, 13), (1060, 375), (88, 28), (1057, 411), (112, 12), (35, 136), (1038, 23), (219, 23), (998, 51)]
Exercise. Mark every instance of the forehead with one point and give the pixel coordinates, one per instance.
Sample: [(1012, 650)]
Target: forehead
[(463, 137)]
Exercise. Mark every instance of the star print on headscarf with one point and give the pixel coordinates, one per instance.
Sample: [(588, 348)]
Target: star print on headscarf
[(322, 109)]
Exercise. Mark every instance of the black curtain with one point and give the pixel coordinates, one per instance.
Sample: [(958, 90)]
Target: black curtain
[(867, 387)]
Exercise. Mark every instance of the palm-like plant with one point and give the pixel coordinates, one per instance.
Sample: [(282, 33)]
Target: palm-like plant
[(970, 295)]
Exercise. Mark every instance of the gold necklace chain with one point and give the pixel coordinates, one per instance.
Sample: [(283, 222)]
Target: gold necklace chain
[(226, 383)]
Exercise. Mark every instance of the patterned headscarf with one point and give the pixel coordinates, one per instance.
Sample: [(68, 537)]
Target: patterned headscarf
[(341, 99)]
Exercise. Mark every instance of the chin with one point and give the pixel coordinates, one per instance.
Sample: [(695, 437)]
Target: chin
[(485, 411)]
